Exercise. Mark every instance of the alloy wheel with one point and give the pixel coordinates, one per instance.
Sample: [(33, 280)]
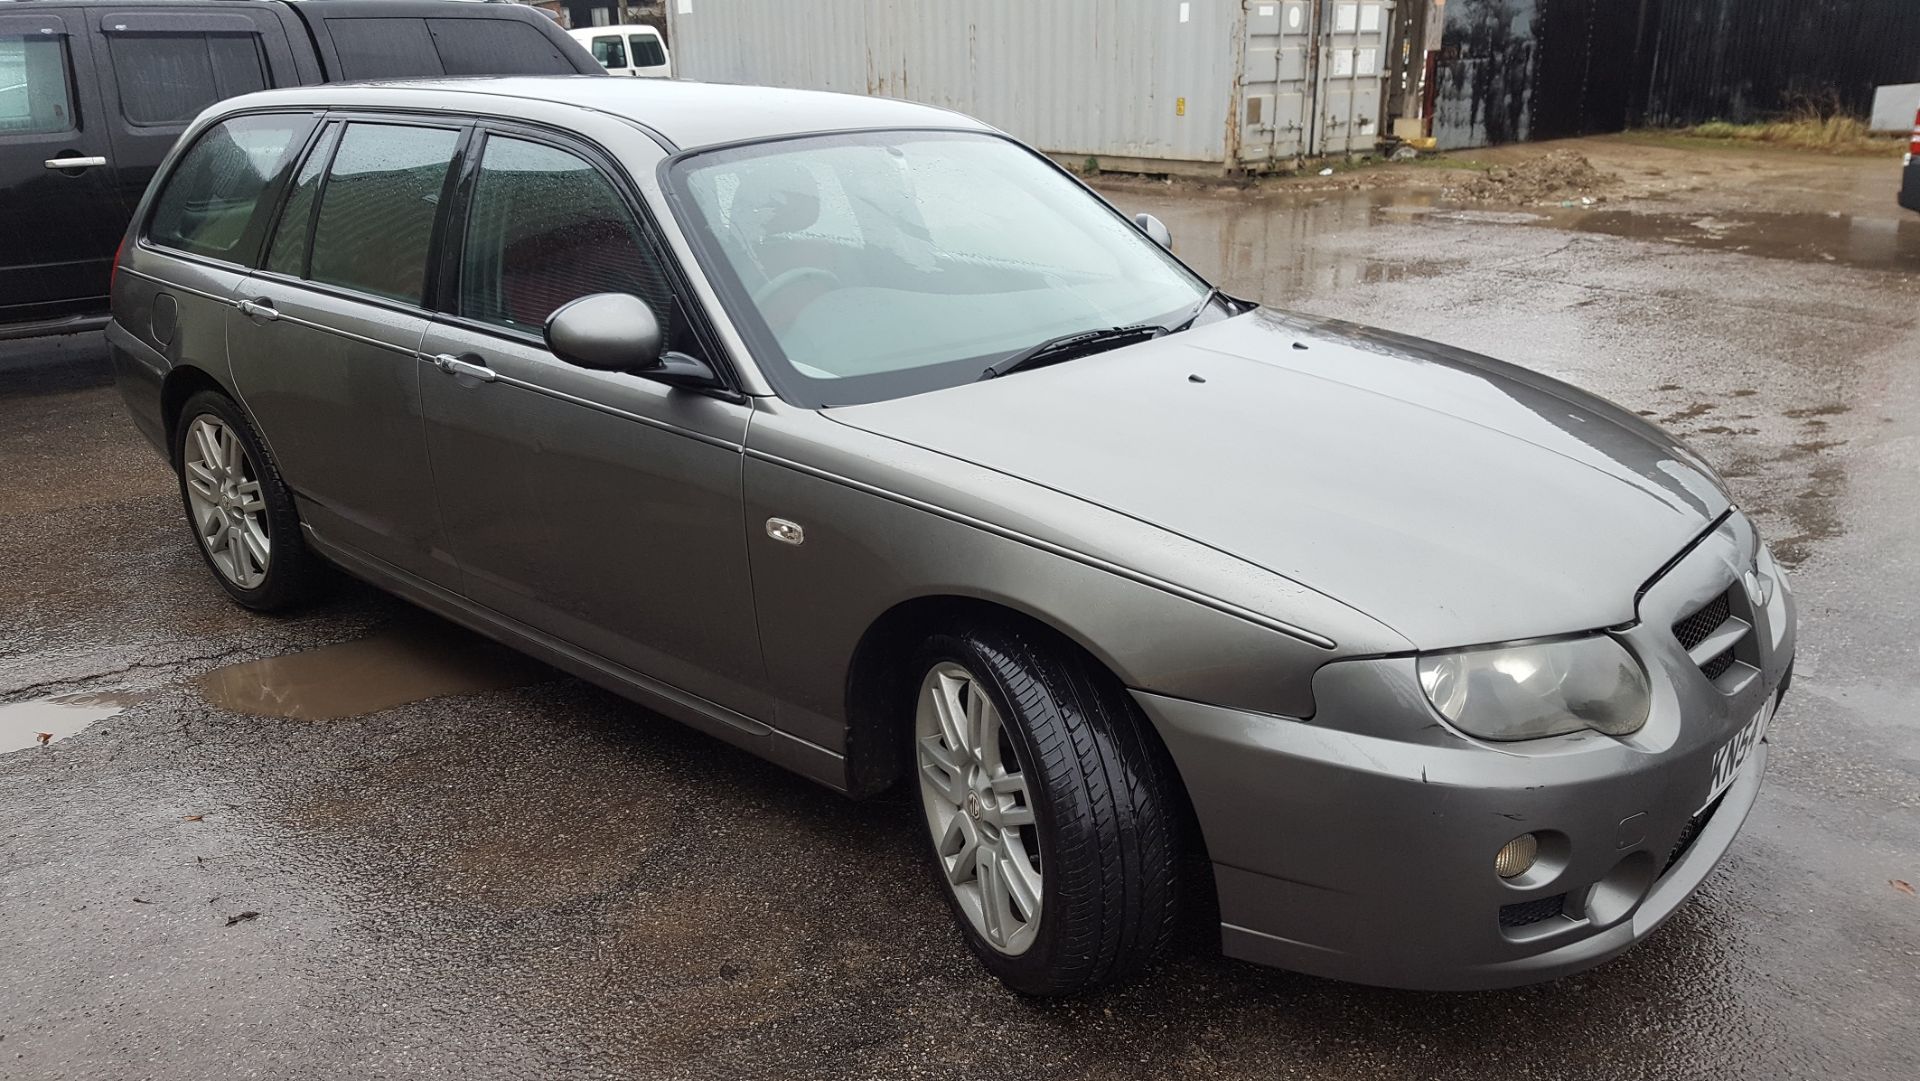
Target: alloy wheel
[(229, 510), (978, 809)]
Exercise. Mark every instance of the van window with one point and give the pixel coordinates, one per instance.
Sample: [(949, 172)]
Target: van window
[(544, 228), (34, 85), (610, 51), (378, 206), (287, 254), (168, 78), (383, 48), (647, 51), (210, 197)]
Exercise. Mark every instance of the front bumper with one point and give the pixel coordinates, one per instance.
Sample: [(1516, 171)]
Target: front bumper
[(1360, 844)]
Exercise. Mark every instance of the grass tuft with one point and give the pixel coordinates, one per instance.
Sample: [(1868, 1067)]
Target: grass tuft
[(1807, 128)]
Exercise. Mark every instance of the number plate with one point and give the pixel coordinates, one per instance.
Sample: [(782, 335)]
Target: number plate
[(1733, 754)]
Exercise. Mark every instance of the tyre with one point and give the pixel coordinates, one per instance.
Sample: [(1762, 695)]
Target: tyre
[(1048, 808), (241, 513)]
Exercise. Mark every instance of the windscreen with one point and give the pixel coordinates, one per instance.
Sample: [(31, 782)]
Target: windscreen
[(872, 265)]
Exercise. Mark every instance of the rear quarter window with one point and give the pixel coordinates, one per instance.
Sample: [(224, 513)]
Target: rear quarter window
[(208, 203), (496, 47)]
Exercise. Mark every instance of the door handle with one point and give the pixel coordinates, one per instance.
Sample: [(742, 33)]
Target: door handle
[(257, 309), (453, 365), (73, 163)]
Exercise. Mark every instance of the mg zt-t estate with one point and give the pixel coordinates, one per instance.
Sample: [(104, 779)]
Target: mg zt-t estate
[(863, 437)]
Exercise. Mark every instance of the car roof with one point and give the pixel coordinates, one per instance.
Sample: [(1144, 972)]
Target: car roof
[(688, 115)]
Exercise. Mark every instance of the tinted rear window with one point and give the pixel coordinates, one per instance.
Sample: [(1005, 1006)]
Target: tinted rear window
[(647, 52), (398, 47), (167, 78), (210, 198), (383, 48), (496, 47)]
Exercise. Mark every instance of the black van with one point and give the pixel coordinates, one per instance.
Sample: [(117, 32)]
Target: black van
[(93, 94)]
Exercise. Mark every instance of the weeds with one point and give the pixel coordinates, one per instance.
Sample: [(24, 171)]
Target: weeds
[(1809, 127)]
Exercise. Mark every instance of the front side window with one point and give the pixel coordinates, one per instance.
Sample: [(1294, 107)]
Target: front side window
[(647, 51), (212, 195), (36, 96), (610, 52), (544, 227), (871, 265), (378, 206), (168, 78)]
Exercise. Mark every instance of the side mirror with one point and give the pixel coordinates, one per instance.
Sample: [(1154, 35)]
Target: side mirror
[(1155, 231), (608, 332), (616, 332)]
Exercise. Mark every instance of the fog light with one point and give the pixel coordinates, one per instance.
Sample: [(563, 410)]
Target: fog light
[(1517, 856)]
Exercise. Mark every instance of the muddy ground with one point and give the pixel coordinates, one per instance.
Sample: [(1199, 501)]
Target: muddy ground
[(356, 842)]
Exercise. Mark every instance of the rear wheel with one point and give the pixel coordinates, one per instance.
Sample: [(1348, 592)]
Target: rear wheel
[(241, 513), (1048, 810)]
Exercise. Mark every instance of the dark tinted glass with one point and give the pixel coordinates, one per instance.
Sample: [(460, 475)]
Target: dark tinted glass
[(545, 228), (378, 206), (212, 194), (496, 47), (383, 48), (34, 94), (288, 252), (167, 78), (610, 52), (647, 52)]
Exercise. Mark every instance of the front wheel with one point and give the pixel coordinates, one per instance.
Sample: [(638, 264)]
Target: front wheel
[(1048, 808)]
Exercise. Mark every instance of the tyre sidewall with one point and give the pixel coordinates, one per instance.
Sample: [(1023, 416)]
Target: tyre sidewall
[(1035, 970)]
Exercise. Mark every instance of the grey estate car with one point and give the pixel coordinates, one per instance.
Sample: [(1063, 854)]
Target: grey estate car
[(859, 435)]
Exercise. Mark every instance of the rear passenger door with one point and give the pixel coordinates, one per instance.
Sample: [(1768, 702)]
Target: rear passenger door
[(324, 348), (159, 67), (58, 223), (601, 508)]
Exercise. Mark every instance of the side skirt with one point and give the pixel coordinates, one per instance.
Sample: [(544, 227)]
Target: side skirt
[(810, 760)]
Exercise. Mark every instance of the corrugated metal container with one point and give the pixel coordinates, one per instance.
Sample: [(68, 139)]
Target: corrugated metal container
[(1135, 83)]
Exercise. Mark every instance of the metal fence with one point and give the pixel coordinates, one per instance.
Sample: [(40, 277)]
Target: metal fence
[(1542, 69)]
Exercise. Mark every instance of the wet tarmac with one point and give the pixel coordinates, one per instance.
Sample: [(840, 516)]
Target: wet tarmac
[(333, 844)]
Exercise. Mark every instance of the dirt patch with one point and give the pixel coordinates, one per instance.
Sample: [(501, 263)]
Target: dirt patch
[(1558, 176)]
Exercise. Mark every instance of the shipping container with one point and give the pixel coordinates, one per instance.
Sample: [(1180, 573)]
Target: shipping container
[(1156, 85)]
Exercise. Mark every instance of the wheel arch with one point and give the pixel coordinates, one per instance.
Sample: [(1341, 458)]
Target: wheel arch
[(880, 678), (180, 384)]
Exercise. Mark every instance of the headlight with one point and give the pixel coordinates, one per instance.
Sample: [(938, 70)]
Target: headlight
[(1541, 689)]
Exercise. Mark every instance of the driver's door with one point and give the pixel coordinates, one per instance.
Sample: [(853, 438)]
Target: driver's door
[(599, 508)]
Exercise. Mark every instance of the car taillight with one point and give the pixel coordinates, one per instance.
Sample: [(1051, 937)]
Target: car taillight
[(114, 274), (1914, 146)]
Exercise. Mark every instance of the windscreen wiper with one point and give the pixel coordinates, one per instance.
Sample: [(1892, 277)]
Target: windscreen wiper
[(1067, 346), (1213, 294)]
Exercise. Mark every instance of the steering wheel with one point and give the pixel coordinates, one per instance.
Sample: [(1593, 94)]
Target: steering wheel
[(787, 279)]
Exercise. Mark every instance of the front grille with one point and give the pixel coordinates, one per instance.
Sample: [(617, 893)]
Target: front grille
[(1527, 913), (1694, 629), (1719, 664), (1694, 826)]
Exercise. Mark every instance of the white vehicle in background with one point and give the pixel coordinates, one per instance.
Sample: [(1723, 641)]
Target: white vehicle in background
[(628, 50)]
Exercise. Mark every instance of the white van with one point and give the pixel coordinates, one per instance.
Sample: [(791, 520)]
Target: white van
[(627, 50)]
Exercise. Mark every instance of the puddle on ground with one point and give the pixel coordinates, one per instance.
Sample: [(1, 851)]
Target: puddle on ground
[(415, 659), (44, 720), (1841, 239)]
